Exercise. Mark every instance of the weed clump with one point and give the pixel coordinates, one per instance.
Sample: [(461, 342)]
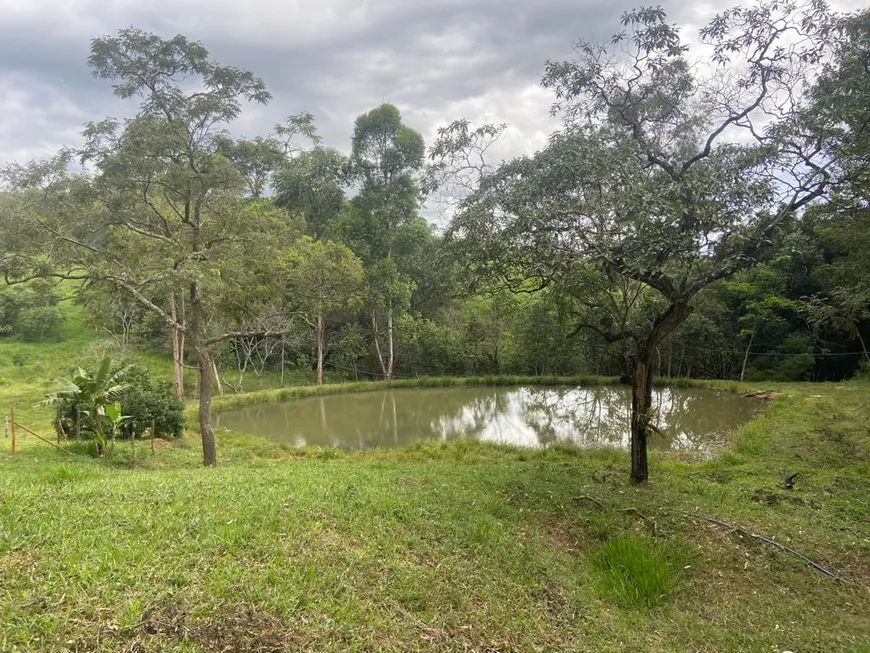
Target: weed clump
[(636, 571)]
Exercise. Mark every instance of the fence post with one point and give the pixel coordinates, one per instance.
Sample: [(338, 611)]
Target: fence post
[(13, 429)]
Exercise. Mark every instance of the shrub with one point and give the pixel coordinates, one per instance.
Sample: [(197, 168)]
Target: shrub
[(143, 403), (146, 403)]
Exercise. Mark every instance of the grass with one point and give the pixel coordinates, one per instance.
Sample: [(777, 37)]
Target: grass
[(461, 546), (437, 547), (637, 570)]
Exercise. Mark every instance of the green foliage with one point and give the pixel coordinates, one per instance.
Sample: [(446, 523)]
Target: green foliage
[(31, 313), (150, 405), (116, 401), (383, 148), (324, 278), (793, 362), (350, 348), (39, 323), (84, 399), (312, 185)]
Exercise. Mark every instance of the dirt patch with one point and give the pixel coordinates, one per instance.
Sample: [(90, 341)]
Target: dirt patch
[(560, 539), (243, 629), (775, 498), (158, 444), (766, 395), (167, 619), (19, 560), (229, 629)]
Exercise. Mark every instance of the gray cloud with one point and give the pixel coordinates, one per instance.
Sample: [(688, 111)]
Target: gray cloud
[(436, 60)]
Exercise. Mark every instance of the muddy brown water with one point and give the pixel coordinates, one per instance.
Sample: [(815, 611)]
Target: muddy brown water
[(690, 418)]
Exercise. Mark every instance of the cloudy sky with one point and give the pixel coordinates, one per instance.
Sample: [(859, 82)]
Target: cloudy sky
[(435, 59)]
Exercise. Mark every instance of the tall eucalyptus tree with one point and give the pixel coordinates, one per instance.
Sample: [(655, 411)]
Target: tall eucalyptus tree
[(385, 156)]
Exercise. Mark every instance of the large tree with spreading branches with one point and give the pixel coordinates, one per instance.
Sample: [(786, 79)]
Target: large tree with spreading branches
[(674, 166)]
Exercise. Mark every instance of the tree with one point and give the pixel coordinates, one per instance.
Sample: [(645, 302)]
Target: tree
[(458, 161), (324, 279), (385, 155), (844, 308), (647, 179), (840, 117), (312, 184), (163, 209), (259, 157), (388, 297)]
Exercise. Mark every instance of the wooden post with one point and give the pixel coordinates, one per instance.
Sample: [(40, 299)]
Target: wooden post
[(152, 436), (13, 428)]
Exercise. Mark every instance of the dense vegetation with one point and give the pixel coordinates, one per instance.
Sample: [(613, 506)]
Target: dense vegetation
[(680, 223)]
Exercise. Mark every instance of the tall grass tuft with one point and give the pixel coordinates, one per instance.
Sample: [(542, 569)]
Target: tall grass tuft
[(636, 571)]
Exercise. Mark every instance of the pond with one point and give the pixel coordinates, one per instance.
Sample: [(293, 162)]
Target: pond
[(689, 418)]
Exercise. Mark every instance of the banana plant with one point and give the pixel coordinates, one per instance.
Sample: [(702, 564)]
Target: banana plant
[(100, 392)]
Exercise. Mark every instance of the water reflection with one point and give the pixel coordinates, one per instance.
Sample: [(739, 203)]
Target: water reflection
[(690, 418)]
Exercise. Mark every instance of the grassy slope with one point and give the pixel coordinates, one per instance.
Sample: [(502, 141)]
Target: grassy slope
[(28, 369), (438, 547)]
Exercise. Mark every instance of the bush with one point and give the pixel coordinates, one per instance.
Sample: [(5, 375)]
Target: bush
[(143, 402), (30, 312), (147, 403)]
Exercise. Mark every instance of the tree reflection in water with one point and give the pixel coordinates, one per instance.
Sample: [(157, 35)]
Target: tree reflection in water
[(690, 418)]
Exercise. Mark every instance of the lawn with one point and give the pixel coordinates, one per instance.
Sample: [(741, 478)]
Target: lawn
[(446, 547)]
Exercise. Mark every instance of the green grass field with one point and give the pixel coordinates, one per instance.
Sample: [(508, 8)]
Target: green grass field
[(459, 547)]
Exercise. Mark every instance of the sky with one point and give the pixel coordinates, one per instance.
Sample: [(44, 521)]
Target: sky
[(437, 60)]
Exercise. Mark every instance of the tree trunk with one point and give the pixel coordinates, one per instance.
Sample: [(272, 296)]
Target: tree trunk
[(181, 345), (641, 386), (863, 344), (319, 338), (641, 403), (378, 345), (217, 377), (388, 374), (178, 379), (204, 364), (746, 356)]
